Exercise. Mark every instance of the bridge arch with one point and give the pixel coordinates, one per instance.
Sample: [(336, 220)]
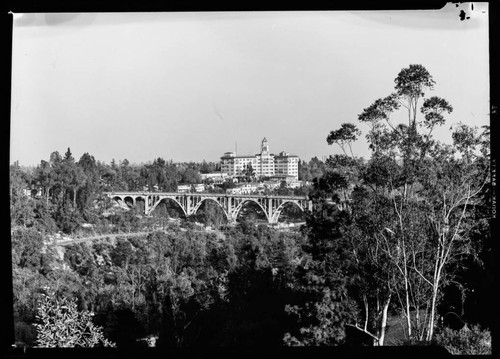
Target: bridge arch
[(280, 208), (165, 199), (213, 199), (245, 201), (120, 201), (130, 199)]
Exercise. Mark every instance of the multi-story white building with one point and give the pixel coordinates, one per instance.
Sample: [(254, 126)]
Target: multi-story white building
[(264, 164), (286, 164)]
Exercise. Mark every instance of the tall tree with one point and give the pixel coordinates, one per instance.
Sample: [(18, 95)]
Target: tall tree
[(324, 309), (44, 177), (411, 84), (72, 175), (344, 137), (89, 188)]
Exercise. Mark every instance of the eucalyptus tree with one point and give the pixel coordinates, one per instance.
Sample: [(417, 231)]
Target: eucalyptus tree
[(344, 137)]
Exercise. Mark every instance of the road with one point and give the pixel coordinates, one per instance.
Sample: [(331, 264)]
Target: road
[(65, 242)]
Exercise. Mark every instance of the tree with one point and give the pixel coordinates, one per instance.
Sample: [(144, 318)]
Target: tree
[(21, 206), (256, 287), (452, 187), (69, 175), (129, 176), (433, 109), (373, 274), (191, 176), (165, 176), (403, 143), (411, 84), (122, 253), (304, 171), (211, 214), (43, 216), (323, 277), (89, 188), (208, 167), (344, 136), (249, 172), (61, 325), (45, 178), (182, 283), (22, 210), (26, 248)]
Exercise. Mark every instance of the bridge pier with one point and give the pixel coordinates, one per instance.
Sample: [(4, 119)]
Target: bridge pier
[(269, 210), (189, 210)]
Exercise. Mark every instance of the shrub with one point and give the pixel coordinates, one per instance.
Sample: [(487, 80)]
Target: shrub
[(466, 341), (61, 325)]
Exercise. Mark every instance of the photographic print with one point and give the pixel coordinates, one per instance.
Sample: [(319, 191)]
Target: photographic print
[(223, 179)]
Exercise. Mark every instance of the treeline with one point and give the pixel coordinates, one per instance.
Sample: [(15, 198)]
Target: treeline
[(65, 174), (62, 193), (397, 251)]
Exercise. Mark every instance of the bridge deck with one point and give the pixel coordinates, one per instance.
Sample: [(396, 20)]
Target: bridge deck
[(124, 193)]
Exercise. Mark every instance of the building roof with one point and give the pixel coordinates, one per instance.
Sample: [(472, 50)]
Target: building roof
[(286, 156), (247, 156)]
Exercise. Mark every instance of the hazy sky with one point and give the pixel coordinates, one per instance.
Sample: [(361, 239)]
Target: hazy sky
[(187, 86)]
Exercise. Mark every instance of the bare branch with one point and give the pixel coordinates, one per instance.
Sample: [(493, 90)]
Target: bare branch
[(416, 270), (364, 331), (421, 275)]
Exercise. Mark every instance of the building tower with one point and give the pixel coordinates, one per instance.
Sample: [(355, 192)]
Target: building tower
[(266, 167), (264, 147)]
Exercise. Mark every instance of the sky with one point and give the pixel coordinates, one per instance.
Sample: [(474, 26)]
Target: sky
[(191, 86)]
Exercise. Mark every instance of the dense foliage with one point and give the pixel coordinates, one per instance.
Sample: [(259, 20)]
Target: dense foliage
[(63, 326), (466, 341), (183, 286)]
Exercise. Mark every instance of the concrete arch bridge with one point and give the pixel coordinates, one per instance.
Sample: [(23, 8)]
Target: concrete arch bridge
[(231, 205)]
